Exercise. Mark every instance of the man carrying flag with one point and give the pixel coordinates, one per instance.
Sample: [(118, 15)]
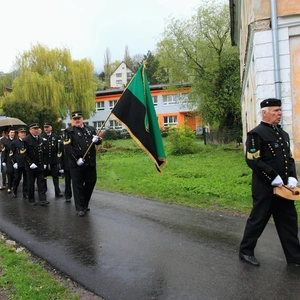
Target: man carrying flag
[(136, 111)]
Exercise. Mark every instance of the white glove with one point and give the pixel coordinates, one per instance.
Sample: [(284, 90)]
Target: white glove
[(95, 139), (292, 182), (277, 181), (61, 171), (33, 166), (45, 167), (80, 162), (15, 165), (4, 164)]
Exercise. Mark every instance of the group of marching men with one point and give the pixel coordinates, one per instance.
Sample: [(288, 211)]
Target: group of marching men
[(33, 157), (42, 153)]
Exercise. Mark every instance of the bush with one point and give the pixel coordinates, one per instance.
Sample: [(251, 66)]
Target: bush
[(182, 141), (111, 134)]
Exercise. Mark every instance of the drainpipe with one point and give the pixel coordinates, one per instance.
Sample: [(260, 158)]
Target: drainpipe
[(275, 49)]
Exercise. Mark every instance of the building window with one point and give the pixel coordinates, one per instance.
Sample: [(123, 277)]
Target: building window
[(169, 100), (112, 104), (154, 99), (119, 81), (170, 121), (113, 124), (118, 74), (99, 106), (98, 124)]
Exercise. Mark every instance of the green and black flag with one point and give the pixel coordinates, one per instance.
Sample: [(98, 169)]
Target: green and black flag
[(136, 111)]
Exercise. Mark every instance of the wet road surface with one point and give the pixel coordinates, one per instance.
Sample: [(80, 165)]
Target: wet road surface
[(132, 248)]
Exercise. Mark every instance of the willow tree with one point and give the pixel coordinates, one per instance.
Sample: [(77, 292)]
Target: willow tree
[(51, 78), (199, 51)]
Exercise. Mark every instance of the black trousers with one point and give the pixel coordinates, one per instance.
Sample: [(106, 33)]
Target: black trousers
[(52, 170), (19, 173), (83, 183), (68, 188), (10, 175), (285, 217), (33, 175)]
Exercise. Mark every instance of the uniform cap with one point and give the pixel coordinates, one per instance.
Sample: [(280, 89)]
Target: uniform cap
[(270, 102), (47, 124), (34, 125), (76, 114), (22, 129)]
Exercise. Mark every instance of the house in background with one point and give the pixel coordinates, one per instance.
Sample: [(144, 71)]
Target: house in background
[(171, 106), (267, 33), (121, 76)]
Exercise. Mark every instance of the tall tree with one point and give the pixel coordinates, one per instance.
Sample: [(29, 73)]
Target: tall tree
[(107, 67), (199, 51), (127, 58), (151, 67), (49, 77)]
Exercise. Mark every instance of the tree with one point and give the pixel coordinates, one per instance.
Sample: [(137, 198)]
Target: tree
[(107, 67), (50, 78), (127, 58), (38, 113), (151, 67), (198, 51)]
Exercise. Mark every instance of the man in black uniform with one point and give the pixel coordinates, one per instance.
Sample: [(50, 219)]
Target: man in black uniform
[(6, 161), (269, 156), (79, 142), (64, 167), (34, 164), (18, 160), (50, 141)]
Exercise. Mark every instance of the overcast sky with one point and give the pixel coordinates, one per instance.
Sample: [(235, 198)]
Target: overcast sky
[(87, 27)]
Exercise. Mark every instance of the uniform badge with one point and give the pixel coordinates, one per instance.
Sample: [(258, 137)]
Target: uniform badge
[(276, 145), (79, 133)]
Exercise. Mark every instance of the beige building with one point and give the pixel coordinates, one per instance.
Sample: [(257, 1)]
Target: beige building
[(267, 33), (121, 76)]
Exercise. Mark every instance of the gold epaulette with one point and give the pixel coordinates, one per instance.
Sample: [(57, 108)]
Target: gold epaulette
[(253, 155), (66, 142)]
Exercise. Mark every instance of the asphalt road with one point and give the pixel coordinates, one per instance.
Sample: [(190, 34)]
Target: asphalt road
[(137, 249)]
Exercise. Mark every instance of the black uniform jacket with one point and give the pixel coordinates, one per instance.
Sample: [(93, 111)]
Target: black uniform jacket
[(51, 148), (34, 152), (77, 141), (268, 154), (18, 152), (6, 150)]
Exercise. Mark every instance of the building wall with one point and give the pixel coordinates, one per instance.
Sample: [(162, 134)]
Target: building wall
[(181, 112), (257, 63), (126, 75)]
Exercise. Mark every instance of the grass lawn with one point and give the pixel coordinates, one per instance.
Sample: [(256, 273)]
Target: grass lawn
[(216, 178)]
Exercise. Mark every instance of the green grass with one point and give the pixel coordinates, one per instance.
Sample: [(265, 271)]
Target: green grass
[(23, 279), (216, 178)]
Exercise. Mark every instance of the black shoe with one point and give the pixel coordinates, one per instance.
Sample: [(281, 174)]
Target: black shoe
[(32, 202), (44, 203), (250, 259), (59, 195), (81, 213), (25, 196), (295, 264), (68, 199), (87, 209), (14, 195)]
